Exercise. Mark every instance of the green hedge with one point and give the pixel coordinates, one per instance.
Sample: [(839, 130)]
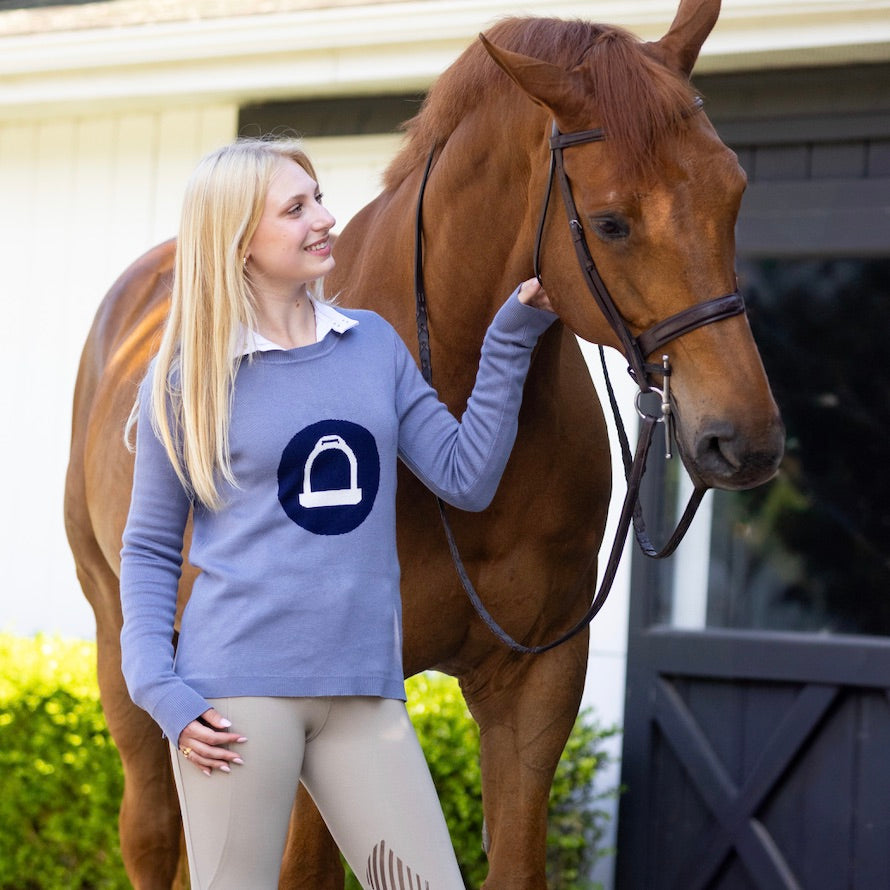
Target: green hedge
[(61, 778)]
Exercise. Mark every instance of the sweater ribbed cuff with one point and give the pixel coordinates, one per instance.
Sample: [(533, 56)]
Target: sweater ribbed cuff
[(528, 322), (175, 711)]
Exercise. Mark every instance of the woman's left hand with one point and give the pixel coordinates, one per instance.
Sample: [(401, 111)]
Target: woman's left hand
[(203, 742), (533, 294)]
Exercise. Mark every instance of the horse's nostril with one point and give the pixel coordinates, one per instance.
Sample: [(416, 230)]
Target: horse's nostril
[(726, 459), (723, 450), (715, 450)]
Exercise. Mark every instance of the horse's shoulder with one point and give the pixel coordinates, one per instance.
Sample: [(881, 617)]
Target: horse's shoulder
[(145, 270), (136, 300)]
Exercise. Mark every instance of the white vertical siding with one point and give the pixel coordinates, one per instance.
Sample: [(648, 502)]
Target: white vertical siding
[(80, 198)]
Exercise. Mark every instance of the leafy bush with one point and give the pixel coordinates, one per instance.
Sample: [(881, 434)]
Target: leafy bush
[(62, 780), (576, 823), (61, 776)]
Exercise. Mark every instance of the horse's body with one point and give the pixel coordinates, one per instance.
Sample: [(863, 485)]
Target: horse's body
[(659, 202)]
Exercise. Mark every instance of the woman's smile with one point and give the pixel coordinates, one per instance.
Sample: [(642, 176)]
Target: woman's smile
[(320, 248)]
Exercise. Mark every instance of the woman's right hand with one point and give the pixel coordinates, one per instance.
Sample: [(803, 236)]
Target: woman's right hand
[(532, 293), (202, 743)]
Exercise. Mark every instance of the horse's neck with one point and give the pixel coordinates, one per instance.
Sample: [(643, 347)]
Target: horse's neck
[(479, 219), (478, 244)]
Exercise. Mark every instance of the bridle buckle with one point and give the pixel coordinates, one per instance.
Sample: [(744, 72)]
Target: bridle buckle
[(666, 414)]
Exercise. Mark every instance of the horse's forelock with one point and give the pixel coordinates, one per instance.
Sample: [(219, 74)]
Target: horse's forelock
[(637, 100), (634, 98)]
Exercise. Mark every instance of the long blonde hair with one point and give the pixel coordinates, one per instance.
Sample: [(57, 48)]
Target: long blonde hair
[(212, 303)]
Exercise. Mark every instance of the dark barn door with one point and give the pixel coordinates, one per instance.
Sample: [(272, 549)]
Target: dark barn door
[(757, 724)]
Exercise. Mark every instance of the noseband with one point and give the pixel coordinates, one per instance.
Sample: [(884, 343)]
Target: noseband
[(636, 349)]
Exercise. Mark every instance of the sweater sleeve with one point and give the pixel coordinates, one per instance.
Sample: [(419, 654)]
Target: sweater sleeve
[(462, 462), (151, 562)]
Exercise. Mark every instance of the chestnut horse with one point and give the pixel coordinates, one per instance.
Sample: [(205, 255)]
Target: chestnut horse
[(658, 200)]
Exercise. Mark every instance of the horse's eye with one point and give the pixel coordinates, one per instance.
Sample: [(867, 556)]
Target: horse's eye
[(609, 228)]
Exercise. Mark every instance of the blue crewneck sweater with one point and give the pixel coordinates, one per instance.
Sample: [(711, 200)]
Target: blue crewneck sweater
[(298, 591)]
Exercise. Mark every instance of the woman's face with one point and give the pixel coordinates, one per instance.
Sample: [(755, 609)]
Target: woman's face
[(290, 246)]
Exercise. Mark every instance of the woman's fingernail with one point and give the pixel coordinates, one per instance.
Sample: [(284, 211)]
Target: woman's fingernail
[(207, 772), (225, 768), (238, 760), (225, 723), (242, 739)]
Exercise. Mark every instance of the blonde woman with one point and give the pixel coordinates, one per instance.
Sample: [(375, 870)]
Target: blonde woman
[(277, 419)]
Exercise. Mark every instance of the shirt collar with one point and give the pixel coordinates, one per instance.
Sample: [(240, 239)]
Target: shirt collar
[(327, 319)]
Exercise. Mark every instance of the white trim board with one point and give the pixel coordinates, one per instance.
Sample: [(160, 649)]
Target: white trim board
[(362, 48)]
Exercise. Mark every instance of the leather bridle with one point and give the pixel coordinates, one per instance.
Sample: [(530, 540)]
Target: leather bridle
[(636, 349)]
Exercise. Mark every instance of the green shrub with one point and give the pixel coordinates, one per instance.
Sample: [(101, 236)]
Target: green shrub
[(576, 823), (61, 777)]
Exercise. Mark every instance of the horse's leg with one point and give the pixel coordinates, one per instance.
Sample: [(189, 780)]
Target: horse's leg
[(150, 826), (149, 821), (525, 708), (311, 859)]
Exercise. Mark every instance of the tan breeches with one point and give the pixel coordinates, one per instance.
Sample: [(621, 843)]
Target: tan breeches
[(360, 760)]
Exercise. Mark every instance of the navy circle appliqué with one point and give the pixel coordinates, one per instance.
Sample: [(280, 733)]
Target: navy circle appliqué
[(328, 477)]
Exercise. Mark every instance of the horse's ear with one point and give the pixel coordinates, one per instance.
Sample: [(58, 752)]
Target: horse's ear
[(679, 48), (549, 85)]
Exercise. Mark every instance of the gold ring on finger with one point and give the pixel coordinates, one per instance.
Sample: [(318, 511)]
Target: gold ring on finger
[(185, 750)]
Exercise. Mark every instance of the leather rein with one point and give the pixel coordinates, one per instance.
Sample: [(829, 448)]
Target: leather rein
[(635, 349)]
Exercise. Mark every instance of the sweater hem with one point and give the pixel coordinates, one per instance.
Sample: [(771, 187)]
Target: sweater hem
[(299, 687)]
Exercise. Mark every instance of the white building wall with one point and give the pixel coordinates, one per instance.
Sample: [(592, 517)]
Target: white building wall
[(82, 197)]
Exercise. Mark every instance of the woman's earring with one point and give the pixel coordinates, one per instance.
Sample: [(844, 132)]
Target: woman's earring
[(244, 262)]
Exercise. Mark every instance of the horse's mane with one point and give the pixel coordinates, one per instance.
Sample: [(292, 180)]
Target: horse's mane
[(638, 101)]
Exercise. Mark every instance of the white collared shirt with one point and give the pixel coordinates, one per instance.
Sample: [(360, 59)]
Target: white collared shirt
[(327, 319)]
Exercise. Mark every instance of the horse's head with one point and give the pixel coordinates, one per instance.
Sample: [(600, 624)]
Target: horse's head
[(657, 199)]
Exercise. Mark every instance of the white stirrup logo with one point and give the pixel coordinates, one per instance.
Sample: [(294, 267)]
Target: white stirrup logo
[(333, 497)]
